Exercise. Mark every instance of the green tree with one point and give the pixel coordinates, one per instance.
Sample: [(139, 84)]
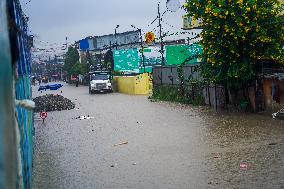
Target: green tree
[(71, 58), (77, 69), (108, 60), (237, 34)]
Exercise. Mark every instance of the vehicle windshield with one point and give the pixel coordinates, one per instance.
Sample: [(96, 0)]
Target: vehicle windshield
[(100, 77)]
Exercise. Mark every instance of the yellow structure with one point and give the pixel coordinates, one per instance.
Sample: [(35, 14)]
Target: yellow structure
[(134, 85)]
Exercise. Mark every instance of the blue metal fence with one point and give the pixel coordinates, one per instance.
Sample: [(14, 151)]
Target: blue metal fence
[(24, 117), (8, 163)]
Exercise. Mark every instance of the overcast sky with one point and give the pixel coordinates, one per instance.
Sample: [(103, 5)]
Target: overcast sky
[(53, 20)]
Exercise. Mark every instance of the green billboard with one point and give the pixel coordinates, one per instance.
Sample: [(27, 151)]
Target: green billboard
[(126, 60), (130, 60), (183, 53)]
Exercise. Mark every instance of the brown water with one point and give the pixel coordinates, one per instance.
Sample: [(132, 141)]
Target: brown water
[(169, 146)]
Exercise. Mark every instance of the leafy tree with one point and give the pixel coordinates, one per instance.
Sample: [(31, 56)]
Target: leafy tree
[(108, 60), (76, 69), (237, 34), (71, 58)]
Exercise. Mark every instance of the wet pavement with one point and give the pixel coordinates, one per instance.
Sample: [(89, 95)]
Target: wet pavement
[(169, 146)]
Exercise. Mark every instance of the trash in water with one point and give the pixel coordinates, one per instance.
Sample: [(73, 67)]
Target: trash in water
[(272, 143), (216, 155), (243, 166), (84, 117), (114, 165), (134, 163), (122, 143)]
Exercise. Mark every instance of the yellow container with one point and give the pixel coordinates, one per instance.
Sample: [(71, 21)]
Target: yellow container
[(134, 85)]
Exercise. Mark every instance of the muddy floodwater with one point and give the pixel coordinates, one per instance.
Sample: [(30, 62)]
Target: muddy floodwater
[(130, 142)]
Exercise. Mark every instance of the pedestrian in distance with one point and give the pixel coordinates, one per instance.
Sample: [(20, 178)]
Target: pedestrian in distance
[(77, 81)]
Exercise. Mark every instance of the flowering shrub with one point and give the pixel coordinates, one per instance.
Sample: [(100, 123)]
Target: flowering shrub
[(236, 35)]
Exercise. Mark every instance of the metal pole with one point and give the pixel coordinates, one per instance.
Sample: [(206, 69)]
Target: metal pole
[(161, 35), (216, 107), (89, 65), (100, 59), (66, 39), (115, 38), (142, 50)]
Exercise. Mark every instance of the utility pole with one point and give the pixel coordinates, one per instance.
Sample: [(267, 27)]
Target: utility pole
[(142, 50), (100, 56), (161, 35), (66, 43), (89, 70), (117, 26), (142, 47)]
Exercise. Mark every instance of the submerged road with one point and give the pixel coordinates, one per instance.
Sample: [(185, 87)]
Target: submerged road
[(164, 145)]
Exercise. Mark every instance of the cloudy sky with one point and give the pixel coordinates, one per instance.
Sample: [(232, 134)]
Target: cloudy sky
[(53, 20)]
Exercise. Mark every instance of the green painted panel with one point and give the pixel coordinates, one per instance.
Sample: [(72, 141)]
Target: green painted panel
[(152, 57), (180, 53), (126, 60)]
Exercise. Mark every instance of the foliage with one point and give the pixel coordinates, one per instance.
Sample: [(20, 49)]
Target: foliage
[(71, 58), (169, 93), (78, 68), (172, 94), (108, 60), (236, 35), (180, 71)]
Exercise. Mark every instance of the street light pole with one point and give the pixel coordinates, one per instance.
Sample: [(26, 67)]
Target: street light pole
[(89, 70), (117, 26), (142, 48), (161, 35)]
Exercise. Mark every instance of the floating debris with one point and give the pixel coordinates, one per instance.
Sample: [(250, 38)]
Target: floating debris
[(84, 117), (122, 143), (272, 144), (243, 166), (51, 102), (216, 156), (114, 165)]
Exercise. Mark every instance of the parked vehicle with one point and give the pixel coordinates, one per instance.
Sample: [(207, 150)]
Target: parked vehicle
[(100, 81)]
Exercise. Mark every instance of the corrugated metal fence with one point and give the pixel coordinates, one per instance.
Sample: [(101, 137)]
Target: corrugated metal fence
[(8, 158), (16, 153), (23, 91), (214, 96)]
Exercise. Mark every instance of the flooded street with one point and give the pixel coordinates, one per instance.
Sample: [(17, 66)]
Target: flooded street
[(159, 145)]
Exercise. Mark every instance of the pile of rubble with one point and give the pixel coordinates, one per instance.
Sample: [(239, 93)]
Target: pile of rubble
[(50, 102)]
